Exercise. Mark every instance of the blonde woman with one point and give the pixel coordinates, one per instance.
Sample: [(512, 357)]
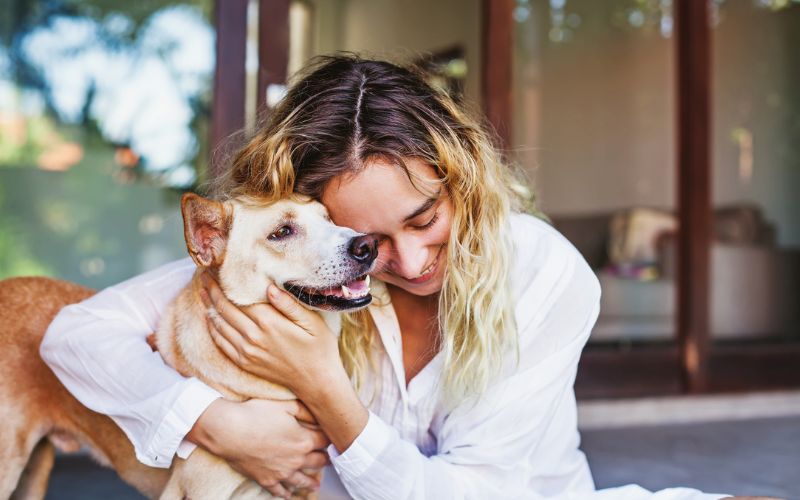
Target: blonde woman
[(456, 382)]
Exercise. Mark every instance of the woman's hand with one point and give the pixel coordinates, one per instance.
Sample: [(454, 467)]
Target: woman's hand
[(282, 341), (271, 442), (287, 344)]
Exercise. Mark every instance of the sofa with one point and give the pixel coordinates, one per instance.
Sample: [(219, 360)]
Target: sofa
[(755, 284)]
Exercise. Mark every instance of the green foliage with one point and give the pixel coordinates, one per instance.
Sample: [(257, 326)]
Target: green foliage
[(22, 142), (16, 258)]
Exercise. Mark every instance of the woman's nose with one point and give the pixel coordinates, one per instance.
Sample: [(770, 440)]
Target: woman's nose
[(407, 258)]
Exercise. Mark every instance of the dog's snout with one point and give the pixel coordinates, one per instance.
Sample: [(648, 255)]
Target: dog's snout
[(363, 249)]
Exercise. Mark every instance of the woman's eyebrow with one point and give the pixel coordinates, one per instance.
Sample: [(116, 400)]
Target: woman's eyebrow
[(424, 207)]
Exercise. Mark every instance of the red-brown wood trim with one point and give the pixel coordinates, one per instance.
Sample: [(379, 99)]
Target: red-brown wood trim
[(273, 49), (649, 370), (694, 189), (638, 371), (754, 366), (497, 25), (227, 107)]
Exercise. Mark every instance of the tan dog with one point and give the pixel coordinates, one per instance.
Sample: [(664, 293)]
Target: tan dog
[(247, 245)]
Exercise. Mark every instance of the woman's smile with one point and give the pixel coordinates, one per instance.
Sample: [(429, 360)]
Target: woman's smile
[(428, 273)]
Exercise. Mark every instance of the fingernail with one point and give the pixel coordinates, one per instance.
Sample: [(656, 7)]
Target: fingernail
[(272, 291)]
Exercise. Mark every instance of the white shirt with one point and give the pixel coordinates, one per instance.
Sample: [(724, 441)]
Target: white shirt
[(520, 440)]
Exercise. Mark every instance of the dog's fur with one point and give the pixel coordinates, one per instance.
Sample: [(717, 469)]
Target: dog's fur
[(241, 242)]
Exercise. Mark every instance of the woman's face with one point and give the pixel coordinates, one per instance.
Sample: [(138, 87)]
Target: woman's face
[(411, 221)]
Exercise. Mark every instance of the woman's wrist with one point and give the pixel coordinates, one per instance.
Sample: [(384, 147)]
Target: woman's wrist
[(205, 431), (339, 412), (333, 403)]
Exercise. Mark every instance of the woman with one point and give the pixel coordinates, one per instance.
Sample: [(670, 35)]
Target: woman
[(463, 368)]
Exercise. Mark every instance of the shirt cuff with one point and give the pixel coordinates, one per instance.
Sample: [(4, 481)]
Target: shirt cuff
[(185, 449), (363, 452), (192, 402)]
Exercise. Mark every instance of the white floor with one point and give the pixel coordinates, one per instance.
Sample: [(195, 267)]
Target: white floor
[(610, 414)]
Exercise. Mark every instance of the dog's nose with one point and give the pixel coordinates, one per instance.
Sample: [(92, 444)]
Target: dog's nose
[(363, 249)]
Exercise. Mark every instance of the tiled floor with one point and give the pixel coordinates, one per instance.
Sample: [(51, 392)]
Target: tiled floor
[(755, 457)]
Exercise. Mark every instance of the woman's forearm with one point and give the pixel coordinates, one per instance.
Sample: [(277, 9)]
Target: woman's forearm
[(264, 440), (337, 409), (97, 349)]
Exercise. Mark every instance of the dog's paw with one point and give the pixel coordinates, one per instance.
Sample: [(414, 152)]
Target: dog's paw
[(250, 490)]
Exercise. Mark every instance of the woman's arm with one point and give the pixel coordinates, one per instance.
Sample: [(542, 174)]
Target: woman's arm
[(98, 350)]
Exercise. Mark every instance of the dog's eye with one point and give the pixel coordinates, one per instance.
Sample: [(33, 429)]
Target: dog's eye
[(281, 233)]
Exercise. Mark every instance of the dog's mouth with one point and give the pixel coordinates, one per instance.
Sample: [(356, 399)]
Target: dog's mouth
[(345, 297)]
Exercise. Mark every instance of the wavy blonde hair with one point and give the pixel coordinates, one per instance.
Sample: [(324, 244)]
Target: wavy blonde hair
[(343, 111)]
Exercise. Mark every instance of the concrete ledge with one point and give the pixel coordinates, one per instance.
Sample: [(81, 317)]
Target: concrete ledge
[(611, 414)]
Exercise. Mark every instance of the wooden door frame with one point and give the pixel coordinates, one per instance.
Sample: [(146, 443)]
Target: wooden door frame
[(497, 48), (273, 49), (693, 47), (227, 115)]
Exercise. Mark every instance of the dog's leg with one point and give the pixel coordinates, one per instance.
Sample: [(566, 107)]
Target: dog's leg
[(33, 482), (110, 447), (16, 444), (204, 476), (173, 490)]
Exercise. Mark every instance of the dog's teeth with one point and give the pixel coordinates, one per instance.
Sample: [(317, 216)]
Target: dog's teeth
[(367, 282), (346, 292)]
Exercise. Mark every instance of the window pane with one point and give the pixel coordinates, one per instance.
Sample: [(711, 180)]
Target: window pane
[(443, 36), (755, 254), (593, 126), (104, 111)]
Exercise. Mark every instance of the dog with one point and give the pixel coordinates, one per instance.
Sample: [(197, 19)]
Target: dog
[(247, 244)]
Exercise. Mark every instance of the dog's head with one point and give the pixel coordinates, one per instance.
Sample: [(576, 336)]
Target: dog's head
[(291, 243)]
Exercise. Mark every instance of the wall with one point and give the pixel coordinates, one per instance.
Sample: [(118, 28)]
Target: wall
[(402, 29)]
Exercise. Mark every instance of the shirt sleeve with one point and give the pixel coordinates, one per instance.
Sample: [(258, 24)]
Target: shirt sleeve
[(98, 350), (520, 439)]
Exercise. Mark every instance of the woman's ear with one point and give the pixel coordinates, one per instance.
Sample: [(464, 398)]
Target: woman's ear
[(206, 224)]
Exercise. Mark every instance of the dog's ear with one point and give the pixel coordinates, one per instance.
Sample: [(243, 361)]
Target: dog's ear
[(206, 224)]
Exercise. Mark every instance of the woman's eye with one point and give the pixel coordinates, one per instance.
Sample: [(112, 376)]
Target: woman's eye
[(429, 223), (280, 233)]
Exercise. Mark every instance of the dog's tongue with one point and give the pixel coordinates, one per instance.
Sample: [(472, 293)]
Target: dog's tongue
[(358, 286), (354, 289)]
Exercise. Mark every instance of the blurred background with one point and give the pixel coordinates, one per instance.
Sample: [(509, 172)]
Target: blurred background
[(662, 137)]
